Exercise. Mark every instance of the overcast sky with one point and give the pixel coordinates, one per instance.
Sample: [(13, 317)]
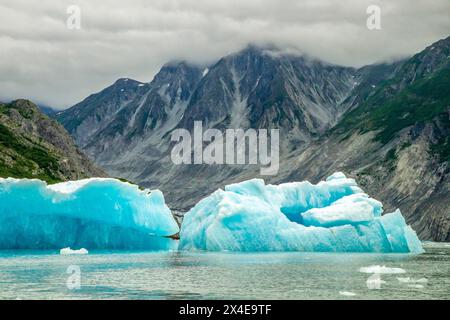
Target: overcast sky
[(42, 60)]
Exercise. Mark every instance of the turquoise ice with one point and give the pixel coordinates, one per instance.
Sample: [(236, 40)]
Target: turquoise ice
[(332, 216), (91, 213)]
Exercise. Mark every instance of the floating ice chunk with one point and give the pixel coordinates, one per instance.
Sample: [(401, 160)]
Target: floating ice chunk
[(411, 280), (91, 213), (416, 286), (69, 251), (374, 282), (347, 293), (333, 215), (381, 269)]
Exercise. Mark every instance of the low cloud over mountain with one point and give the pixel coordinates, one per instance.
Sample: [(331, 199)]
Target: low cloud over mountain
[(43, 60)]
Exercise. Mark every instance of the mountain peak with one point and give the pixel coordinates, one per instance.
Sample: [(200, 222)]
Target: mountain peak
[(254, 50), (259, 48), (177, 70), (126, 82), (177, 64)]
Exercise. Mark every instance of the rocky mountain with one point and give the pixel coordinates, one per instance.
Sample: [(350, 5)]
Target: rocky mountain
[(34, 146), (386, 125), (395, 143), (126, 127), (261, 88)]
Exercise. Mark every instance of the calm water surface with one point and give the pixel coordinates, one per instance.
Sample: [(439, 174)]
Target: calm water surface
[(179, 275)]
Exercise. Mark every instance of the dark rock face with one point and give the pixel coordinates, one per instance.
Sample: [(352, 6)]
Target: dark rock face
[(35, 146), (386, 125), (88, 118), (263, 89), (126, 127)]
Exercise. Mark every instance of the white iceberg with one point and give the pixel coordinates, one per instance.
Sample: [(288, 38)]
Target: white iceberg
[(381, 270), (68, 251), (416, 286), (411, 280), (331, 216), (92, 213)]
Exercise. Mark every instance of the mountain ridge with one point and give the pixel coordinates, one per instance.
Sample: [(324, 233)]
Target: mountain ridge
[(317, 106), (34, 146)]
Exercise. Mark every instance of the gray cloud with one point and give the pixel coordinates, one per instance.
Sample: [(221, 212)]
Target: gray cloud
[(42, 60)]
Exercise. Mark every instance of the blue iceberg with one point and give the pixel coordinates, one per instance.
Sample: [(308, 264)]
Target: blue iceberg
[(332, 216), (92, 213)]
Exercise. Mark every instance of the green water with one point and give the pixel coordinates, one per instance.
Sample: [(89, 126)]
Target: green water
[(178, 275)]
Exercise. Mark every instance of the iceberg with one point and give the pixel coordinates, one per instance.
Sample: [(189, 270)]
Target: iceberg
[(332, 216), (94, 213)]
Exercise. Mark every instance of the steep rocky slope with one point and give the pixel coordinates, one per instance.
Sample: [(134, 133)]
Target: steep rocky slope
[(126, 127), (34, 146)]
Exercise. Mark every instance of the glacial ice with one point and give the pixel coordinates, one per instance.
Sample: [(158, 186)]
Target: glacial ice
[(69, 251), (381, 269), (411, 280), (416, 286), (92, 213), (332, 216)]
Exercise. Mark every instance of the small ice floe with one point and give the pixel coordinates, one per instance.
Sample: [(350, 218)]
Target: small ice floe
[(415, 286), (411, 280), (68, 251), (381, 270), (374, 282), (347, 293)]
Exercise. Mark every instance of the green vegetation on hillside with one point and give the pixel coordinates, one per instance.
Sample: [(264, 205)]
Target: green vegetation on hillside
[(419, 102), (21, 156), (28, 158), (442, 149), (34, 146), (387, 112)]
